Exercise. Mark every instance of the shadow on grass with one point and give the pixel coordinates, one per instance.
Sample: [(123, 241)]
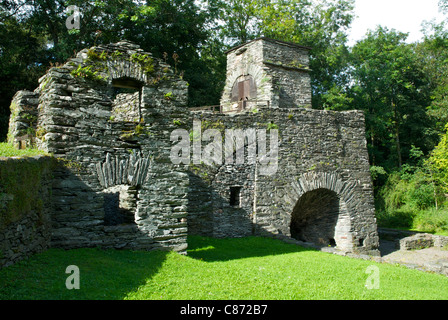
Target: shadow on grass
[(103, 274), (114, 274), (211, 249)]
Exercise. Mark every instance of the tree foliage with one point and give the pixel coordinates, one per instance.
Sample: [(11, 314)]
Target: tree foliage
[(389, 83), (438, 162), (401, 87)]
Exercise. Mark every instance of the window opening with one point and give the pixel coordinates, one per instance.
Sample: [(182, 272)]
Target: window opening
[(235, 196)]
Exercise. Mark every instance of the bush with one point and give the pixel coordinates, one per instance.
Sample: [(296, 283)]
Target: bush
[(434, 221), (400, 218), (394, 194), (421, 196), (407, 200)]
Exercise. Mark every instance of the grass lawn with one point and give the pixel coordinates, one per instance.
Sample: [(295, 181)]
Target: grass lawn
[(8, 150), (245, 268)]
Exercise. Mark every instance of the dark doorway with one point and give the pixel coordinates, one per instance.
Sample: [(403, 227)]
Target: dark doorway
[(119, 205), (315, 216)]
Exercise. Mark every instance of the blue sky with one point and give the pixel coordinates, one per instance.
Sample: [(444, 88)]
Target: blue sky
[(402, 15)]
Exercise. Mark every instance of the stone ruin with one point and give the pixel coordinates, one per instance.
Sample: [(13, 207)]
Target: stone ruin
[(108, 115), (267, 73)]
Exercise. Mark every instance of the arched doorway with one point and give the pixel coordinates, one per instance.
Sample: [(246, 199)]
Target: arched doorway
[(320, 216), (244, 91)]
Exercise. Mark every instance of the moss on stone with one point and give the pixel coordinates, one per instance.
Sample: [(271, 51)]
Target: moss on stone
[(21, 188), (145, 61), (87, 72), (96, 56)]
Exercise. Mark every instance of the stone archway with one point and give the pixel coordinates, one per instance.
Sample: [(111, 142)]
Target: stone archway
[(244, 88), (320, 216), (258, 83), (322, 208), (244, 92), (121, 179)]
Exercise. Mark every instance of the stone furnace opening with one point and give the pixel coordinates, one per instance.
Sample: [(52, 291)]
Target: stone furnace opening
[(320, 216), (244, 92)]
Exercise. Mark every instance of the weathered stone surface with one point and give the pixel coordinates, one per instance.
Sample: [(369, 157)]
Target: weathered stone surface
[(276, 72), (23, 119), (319, 151), (418, 241), (25, 230), (111, 130), (103, 115), (440, 241), (423, 240)]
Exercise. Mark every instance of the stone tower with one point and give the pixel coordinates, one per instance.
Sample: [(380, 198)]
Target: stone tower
[(267, 73)]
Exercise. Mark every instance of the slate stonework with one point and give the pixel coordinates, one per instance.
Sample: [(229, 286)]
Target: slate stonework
[(280, 73), (108, 115), (25, 226), (104, 114), (319, 151)]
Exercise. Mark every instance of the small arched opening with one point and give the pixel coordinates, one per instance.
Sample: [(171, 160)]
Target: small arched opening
[(244, 91), (320, 216)]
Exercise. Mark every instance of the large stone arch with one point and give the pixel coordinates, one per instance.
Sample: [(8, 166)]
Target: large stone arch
[(320, 216), (319, 201)]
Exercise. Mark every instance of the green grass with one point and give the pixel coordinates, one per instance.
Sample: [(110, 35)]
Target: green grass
[(8, 150), (246, 268)]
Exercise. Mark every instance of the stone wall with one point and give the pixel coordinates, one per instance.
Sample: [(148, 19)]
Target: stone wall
[(319, 151), (25, 206), (106, 115), (423, 240), (23, 119), (289, 68)]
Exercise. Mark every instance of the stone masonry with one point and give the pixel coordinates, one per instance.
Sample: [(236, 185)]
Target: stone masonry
[(25, 207), (270, 72), (109, 115), (321, 192), (105, 115)]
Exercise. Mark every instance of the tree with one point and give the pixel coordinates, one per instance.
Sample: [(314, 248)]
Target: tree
[(322, 25), (391, 87), (33, 36), (433, 56), (438, 162), (22, 59)]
